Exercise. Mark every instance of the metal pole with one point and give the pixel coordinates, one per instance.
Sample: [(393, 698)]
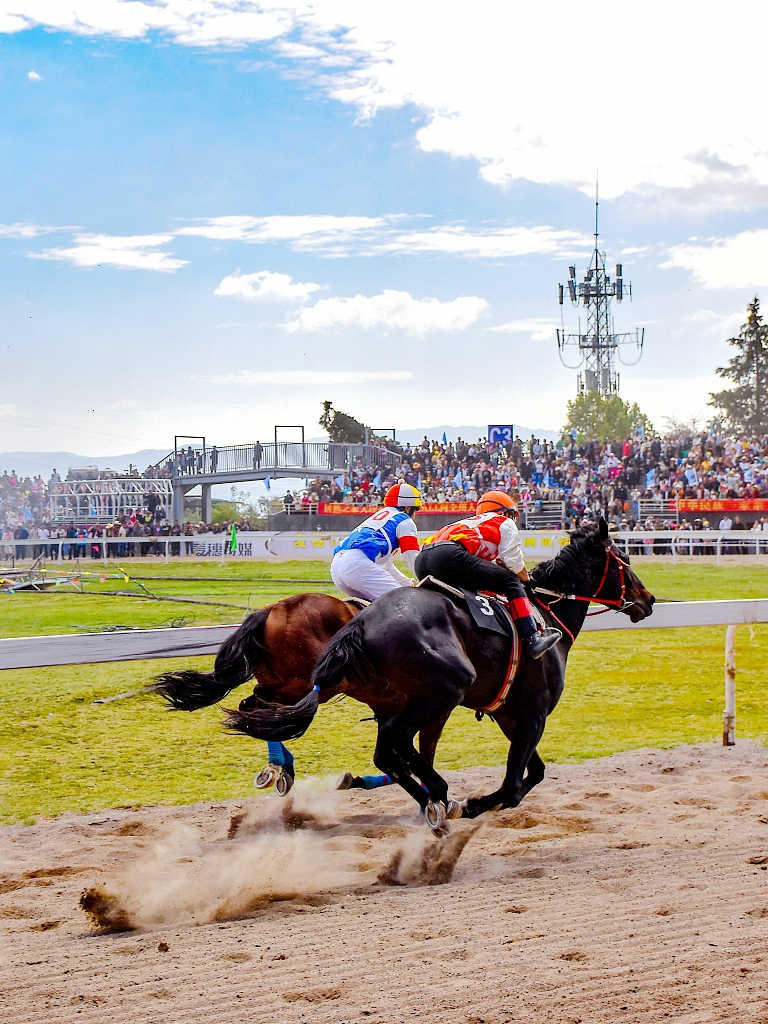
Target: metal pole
[(729, 714), (719, 545)]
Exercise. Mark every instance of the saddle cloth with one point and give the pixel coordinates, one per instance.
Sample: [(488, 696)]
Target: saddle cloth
[(490, 613)]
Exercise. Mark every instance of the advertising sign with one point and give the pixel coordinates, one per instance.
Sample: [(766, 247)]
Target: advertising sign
[(500, 433)]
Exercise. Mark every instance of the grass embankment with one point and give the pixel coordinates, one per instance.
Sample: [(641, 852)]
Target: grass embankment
[(58, 752)]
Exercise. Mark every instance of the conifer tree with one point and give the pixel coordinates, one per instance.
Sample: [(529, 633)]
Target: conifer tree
[(746, 405)]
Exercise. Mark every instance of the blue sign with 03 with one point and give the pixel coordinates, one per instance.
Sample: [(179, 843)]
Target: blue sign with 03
[(500, 433)]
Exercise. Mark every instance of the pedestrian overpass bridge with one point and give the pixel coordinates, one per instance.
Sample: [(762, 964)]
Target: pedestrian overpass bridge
[(203, 466)]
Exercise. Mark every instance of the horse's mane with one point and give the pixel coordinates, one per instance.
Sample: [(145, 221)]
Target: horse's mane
[(571, 571)]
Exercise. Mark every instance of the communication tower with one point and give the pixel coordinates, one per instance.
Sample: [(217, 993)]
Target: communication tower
[(600, 346)]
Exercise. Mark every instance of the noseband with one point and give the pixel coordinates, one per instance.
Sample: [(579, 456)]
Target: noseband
[(620, 603)]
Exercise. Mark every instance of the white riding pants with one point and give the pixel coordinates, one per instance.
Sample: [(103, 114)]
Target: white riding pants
[(353, 572)]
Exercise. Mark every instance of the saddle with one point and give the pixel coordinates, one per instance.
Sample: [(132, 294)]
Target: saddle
[(489, 612)]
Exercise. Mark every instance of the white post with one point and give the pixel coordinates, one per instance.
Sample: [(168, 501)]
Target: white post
[(719, 546), (674, 549), (729, 715), (104, 552), (167, 542)]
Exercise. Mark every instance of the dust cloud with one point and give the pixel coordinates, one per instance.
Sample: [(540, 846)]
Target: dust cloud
[(273, 851)]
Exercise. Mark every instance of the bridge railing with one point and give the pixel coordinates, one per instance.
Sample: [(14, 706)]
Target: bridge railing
[(309, 456)]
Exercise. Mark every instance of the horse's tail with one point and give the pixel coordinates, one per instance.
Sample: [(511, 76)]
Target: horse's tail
[(236, 662), (344, 655)]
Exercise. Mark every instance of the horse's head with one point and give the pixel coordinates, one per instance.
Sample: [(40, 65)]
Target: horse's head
[(616, 584)]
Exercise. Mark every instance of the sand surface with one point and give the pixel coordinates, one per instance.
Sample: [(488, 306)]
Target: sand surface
[(629, 889)]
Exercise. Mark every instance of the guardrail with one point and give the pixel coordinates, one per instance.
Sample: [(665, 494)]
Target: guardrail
[(276, 545), (260, 458), (194, 641)]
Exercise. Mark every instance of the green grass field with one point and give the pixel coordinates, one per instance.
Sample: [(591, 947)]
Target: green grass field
[(60, 753)]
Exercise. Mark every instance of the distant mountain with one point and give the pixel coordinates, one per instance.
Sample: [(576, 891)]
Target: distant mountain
[(34, 463)]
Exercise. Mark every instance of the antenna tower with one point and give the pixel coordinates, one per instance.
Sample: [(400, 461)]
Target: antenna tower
[(600, 346)]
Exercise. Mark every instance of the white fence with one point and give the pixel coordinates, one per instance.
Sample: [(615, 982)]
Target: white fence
[(194, 641), (281, 546)]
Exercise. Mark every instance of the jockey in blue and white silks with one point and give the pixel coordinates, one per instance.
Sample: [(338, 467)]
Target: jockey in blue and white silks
[(363, 564)]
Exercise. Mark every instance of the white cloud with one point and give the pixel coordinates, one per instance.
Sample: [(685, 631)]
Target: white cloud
[(129, 252), (34, 77), (740, 261), (190, 22), (723, 325), (366, 236), (19, 230), (308, 377), (391, 309), (513, 105), (264, 286), (313, 232), (538, 328), (456, 240)]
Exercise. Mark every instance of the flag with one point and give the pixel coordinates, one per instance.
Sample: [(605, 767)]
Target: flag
[(27, 513), (267, 483), (233, 541), (650, 478), (445, 439)]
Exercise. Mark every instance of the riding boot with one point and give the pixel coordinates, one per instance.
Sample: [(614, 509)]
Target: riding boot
[(536, 642), (350, 781), (539, 644)]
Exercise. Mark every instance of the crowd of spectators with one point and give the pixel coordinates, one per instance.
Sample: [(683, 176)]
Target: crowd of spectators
[(588, 479), (25, 515)]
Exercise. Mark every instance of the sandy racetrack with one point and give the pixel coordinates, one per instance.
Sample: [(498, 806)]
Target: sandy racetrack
[(630, 889)]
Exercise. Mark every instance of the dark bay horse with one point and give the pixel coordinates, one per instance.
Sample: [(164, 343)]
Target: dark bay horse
[(279, 646), (423, 646)]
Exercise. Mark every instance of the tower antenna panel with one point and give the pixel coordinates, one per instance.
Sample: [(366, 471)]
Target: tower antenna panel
[(600, 347)]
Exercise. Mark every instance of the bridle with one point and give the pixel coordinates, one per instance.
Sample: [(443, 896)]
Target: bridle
[(620, 603)]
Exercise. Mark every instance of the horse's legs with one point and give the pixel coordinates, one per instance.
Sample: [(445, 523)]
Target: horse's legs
[(429, 736), (399, 731), (387, 761), (524, 735)]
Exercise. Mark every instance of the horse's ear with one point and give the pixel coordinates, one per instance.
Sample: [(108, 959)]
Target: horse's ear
[(602, 533)]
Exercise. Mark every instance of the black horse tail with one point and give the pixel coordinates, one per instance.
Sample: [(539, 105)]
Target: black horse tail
[(266, 721), (236, 662)]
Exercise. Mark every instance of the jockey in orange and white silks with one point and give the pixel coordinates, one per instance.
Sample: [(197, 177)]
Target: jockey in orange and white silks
[(485, 553), (363, 564)]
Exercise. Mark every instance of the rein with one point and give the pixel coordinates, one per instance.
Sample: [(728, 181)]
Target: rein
[(619, 603)]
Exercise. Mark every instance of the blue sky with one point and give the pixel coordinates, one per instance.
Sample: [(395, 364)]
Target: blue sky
[(218, 215)]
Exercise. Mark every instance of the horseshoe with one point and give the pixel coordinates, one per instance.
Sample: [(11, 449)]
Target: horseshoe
[(434, 815)]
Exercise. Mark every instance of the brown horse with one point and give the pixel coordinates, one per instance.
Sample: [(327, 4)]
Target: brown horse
[(278, 646)]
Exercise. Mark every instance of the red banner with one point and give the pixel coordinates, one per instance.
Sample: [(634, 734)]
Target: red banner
[(724, 505), (459, 508)]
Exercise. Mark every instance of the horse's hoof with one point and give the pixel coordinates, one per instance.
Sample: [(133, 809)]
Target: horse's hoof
[(283, 784), (344, 781), (434, 815), (267, 777), (455, 809)]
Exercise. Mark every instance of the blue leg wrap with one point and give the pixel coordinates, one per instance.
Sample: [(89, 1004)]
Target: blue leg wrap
[(376, 781), (279, 754)]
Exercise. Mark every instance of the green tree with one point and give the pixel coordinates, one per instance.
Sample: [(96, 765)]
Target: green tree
[(746, 405), (607, 419), (341, 427)]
